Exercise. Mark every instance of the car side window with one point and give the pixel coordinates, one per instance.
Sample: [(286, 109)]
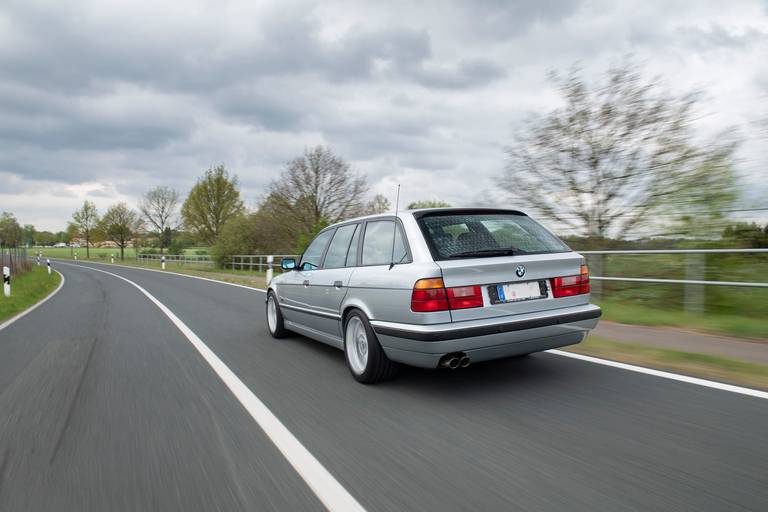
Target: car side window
[(337, 252), (352, 254), (377, 243), (313, 256)]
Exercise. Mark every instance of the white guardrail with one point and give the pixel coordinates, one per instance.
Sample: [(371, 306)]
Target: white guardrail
[(179, 259), (694, 265), (258, 262)]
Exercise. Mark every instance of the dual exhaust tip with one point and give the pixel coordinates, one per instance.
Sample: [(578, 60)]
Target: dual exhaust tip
[(453, 361)]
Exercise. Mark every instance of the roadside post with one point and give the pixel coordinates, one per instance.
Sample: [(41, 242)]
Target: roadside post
[(6, 281), (270, 260), (75, 255), (38, 259), (112, 258), (48, 262), (162, 262)]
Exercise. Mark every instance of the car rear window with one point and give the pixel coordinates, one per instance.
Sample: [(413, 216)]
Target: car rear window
[(477, 235)]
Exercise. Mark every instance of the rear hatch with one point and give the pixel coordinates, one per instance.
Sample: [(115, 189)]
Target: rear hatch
[(511, 258), (530, 293)]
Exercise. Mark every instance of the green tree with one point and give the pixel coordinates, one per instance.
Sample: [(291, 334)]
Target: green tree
[(28, 234), (120, 224), (86, 219), (427, 203), (615, 153), (45, 238), (264, 231), (158, 206), (743, 234), (11, 232), (213, 201)]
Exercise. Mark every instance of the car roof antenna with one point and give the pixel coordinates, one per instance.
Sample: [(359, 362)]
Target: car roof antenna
[(394, 228)]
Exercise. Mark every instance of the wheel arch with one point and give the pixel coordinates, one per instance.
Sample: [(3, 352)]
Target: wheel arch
[(352, 305)]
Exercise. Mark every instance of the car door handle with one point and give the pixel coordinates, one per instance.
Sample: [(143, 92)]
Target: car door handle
[(306, 283), (338, 284)]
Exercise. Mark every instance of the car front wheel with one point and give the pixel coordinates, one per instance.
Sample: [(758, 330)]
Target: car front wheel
[(365, 358), (275, 317)]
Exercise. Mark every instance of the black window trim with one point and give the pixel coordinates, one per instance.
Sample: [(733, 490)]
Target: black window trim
[(472, 211), (401, 227), (359, 232), (336, 228)]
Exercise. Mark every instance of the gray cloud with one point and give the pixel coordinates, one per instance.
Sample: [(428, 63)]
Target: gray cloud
[(103, 100)]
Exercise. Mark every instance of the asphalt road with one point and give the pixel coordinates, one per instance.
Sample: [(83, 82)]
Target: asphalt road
[(106, 405)]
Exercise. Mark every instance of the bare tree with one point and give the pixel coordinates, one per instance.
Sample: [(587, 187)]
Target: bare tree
[(86, 219), (158, 206), (613, 154), (213, 201), (319, 188), (120, 224)]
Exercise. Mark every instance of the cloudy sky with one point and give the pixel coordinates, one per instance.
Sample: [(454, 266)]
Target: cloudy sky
[(103, 99)]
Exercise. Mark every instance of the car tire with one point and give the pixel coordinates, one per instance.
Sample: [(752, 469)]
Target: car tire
[(275, 322), (365, 358)]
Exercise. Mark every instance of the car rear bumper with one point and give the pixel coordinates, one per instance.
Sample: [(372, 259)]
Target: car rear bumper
[(493, 338)]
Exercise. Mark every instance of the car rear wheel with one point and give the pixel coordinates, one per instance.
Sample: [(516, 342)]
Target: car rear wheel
[(366, 359), (275, 317)]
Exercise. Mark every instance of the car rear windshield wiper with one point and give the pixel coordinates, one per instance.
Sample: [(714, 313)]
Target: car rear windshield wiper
[(486, 252)]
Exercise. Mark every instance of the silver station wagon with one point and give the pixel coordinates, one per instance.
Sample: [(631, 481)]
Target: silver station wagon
[(434, 288)]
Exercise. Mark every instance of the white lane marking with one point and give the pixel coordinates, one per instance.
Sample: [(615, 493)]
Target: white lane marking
[(665, 375), (166, 272), (34, 307), (323, 484)]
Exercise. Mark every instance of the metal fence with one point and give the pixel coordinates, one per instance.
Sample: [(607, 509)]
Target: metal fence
[(177, 259), (15, 258), (257, 262), (694, 269)]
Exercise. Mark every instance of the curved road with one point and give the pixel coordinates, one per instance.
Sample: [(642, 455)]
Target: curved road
[(106, 405)]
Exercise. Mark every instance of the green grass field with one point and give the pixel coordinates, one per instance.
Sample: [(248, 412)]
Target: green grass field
[(26, 290), (720, 323)]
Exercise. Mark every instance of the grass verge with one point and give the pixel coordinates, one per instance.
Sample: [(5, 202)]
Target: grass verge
[(689, 363), (732, 325), (26, 290)]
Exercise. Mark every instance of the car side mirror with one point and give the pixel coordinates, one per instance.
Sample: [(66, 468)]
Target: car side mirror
[(288, 264)]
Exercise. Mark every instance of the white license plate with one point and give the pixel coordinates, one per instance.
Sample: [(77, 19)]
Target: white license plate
[(518, 291)]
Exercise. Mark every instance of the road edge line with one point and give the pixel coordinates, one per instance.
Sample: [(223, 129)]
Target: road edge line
[(327, 489), (664, 374), (34, 306)]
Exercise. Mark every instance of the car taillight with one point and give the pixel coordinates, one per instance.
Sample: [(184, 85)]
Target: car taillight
[(463, 297), (571, 285), (429, 295), (432, 295)]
